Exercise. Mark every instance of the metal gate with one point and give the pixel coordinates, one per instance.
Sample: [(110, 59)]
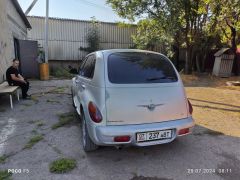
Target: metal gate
[(28, 51)]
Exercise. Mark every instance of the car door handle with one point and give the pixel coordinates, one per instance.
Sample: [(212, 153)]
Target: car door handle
[(77, 81), (83, 86)]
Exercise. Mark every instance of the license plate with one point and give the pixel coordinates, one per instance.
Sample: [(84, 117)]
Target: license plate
[(154, 135)]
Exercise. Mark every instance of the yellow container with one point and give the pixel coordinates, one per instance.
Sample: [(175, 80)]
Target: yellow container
[(44, 71)]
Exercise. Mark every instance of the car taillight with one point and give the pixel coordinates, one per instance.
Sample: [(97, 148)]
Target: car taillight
[(94, 112), (183, 131), (190, 108), (121, 138)]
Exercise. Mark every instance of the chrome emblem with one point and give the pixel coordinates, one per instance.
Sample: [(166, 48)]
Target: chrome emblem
[(151, 107)]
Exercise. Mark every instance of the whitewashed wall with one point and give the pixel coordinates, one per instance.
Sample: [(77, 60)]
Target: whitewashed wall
[(4, 40), (16, 24), (67, 36), (11, 26)]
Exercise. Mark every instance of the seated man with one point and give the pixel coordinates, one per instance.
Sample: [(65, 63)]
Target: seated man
[(14, 78)]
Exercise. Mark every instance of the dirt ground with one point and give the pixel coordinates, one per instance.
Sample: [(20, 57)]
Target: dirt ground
[(216, 105), (211, 152)]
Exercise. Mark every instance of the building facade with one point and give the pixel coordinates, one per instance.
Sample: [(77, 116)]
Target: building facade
[(66, 36), (13, 27)]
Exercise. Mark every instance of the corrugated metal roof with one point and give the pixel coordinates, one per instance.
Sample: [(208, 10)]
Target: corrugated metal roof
[(77, 20), (21, 13), (66, 36)]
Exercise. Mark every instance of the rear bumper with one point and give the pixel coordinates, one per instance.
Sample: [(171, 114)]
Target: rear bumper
[(104, 135)]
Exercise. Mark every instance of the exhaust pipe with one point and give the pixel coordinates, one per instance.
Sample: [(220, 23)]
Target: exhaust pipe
[(119, 147)]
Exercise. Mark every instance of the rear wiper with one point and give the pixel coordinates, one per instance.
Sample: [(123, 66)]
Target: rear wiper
[(157, 78)]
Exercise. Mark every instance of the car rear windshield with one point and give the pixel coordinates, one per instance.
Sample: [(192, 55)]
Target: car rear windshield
[(140, 67)]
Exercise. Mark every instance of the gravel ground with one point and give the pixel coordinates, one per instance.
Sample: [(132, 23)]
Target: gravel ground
[(211, 152)]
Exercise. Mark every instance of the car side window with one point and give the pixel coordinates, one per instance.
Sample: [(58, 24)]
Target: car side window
[(81, 66), (88, 67)]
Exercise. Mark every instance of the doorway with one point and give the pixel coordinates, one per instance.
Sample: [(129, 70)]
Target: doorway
[(28, 51), (16, 48)]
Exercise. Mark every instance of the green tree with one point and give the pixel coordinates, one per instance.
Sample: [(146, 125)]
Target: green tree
[(150, 34), (93, 37), (180, 22), (225, 20)]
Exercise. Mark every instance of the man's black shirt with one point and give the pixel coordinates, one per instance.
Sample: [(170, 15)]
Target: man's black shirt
[(11, 70)]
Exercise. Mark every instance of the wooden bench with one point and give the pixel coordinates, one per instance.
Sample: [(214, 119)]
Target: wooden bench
[(10, 90)]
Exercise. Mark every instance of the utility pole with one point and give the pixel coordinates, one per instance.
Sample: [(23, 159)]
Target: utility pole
[(46, 31)]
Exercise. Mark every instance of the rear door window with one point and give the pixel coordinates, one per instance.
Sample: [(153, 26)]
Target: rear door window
[(81, 66), (139, 67), (88, 67)]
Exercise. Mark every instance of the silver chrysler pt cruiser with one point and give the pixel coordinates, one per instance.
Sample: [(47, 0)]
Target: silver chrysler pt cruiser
[(130, 97)]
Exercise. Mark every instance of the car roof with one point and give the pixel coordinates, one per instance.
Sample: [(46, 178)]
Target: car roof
[(110, 51), (107, 51)]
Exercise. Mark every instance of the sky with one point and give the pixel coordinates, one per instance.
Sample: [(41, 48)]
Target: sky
[(73, 9)]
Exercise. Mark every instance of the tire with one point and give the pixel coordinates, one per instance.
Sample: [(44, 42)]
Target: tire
[(88, 144)]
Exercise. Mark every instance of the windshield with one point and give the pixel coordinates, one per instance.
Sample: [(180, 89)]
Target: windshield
[(139, 67)]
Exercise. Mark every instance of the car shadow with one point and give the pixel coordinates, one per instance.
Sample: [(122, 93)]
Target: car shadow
[(201, 149), (217, 103)]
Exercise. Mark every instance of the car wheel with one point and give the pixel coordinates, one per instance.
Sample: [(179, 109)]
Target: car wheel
[(88, 145)]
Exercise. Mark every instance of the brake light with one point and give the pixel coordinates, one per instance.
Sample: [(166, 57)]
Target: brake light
[(183, 131), (121, 138), (190, 108), (94, 112)]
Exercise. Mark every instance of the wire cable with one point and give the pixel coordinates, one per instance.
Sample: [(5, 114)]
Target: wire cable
[(91, 3)]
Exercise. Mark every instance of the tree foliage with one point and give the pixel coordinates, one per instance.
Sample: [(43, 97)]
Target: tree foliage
[(197, 25), (93, 37), (225, 20), (150, 34)]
